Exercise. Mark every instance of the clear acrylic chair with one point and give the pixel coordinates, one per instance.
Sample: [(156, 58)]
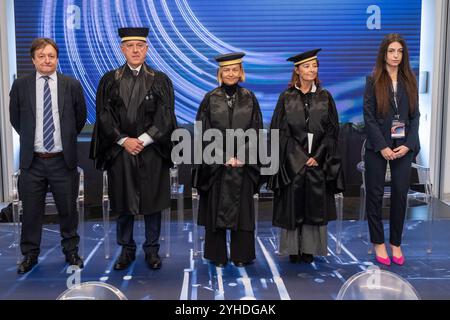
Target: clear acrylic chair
[(425, 197), (265, 193), (92, 290), (377, 284), (177, 192), (197, 238), (49, 204)]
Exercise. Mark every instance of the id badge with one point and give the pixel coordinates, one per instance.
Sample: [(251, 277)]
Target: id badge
[(398, 129)]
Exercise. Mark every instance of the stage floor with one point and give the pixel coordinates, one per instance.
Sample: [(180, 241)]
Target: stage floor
[(184, 276)]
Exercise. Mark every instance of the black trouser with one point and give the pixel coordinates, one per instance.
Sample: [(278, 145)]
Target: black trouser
[(242, 246), (375, 172), (33, 185), (125, 223)]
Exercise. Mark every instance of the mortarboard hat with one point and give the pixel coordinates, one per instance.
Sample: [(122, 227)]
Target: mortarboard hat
[(229, 58), (128, 34), (303, 57)]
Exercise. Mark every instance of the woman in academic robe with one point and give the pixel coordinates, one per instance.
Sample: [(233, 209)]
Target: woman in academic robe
[(226, 187), (310, 170)]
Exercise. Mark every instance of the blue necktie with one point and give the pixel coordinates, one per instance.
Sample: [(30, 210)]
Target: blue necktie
[(48, 127)]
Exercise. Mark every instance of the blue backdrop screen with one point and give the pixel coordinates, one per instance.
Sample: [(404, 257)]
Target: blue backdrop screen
[(185, 36)]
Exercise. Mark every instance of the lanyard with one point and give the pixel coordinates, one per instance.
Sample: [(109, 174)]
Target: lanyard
[(397, 114), (395, 105)]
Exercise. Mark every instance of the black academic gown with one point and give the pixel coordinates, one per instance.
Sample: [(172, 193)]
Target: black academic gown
[(226, 193), (128, 106), (305, 195)]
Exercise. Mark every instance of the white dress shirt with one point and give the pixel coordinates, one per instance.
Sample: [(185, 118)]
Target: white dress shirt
[(145, 137), (38, 137)]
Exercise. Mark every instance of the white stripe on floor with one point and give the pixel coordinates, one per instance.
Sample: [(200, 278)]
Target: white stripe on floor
[(246, 281), (220, 293), (344, 248), (284, 295)]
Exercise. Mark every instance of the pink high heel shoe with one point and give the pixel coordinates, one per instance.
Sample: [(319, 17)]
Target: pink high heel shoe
[(385, 261), (400, 261)]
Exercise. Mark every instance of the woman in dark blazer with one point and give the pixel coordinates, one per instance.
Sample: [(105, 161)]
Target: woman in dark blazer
[(391, 116)]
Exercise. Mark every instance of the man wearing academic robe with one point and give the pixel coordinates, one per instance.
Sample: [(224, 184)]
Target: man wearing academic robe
[(131, 141)]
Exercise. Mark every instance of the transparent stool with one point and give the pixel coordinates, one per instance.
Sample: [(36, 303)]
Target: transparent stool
[(177, 192), (264, 193), (92, 290), (198, 238), (377, 284), (49, 202)]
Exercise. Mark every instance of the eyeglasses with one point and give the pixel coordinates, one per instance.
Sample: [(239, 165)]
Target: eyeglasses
[(138, 46)]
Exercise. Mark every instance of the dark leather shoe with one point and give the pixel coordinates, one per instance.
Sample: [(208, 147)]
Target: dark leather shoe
[(124, 260), (307, 258), (27, 264), (240, 264), (220, 264), (153, 261), (294, 258), (73, 259)]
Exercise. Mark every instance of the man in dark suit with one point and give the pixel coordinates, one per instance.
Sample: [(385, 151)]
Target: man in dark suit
[(48, 111)]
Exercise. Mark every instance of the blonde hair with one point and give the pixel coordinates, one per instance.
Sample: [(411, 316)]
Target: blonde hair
[(219, 74)]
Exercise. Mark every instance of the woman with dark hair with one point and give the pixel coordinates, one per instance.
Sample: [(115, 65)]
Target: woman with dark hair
[(310, 170), (391, 117), (226, 188)]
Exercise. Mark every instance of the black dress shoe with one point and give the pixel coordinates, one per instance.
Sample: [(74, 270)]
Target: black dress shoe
[(220, 264), (124, 260), (27, 264), (307, 258), (74, 259), (294, 258), (153, 261), (240, 264)]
